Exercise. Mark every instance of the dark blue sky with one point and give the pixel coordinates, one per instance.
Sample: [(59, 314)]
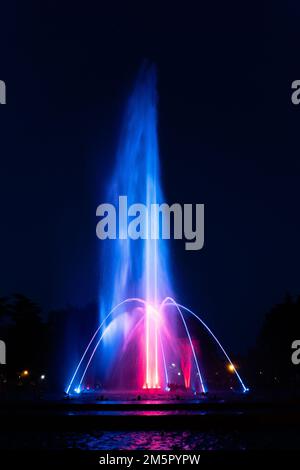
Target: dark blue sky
[(228, 138)]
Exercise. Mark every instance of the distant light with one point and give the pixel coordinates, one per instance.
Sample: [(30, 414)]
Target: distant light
[(179, 373), (173, 365), (77, 390), (230, 367), (43, 377), (25, 373)]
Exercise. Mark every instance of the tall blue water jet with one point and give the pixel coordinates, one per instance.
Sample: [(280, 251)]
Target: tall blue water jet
[(138, 268)]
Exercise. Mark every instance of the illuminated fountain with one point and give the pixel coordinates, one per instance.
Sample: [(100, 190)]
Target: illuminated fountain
[(144, 338)]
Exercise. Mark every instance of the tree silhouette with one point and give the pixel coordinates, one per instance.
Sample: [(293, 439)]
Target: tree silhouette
[(28, 340), (24, 312), (271, 358)]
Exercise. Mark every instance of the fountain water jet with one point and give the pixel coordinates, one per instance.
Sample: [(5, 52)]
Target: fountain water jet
[(139, 341)]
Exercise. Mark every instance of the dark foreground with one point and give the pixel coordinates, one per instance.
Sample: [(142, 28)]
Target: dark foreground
[(62, 428)]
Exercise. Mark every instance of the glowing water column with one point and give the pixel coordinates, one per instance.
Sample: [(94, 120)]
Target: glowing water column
[(139, 267), (152, 263)]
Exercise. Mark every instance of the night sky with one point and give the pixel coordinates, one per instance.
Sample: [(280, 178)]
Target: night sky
[(228, 133)]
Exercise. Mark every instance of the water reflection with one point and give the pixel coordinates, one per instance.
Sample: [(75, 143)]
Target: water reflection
[(153, 440)]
